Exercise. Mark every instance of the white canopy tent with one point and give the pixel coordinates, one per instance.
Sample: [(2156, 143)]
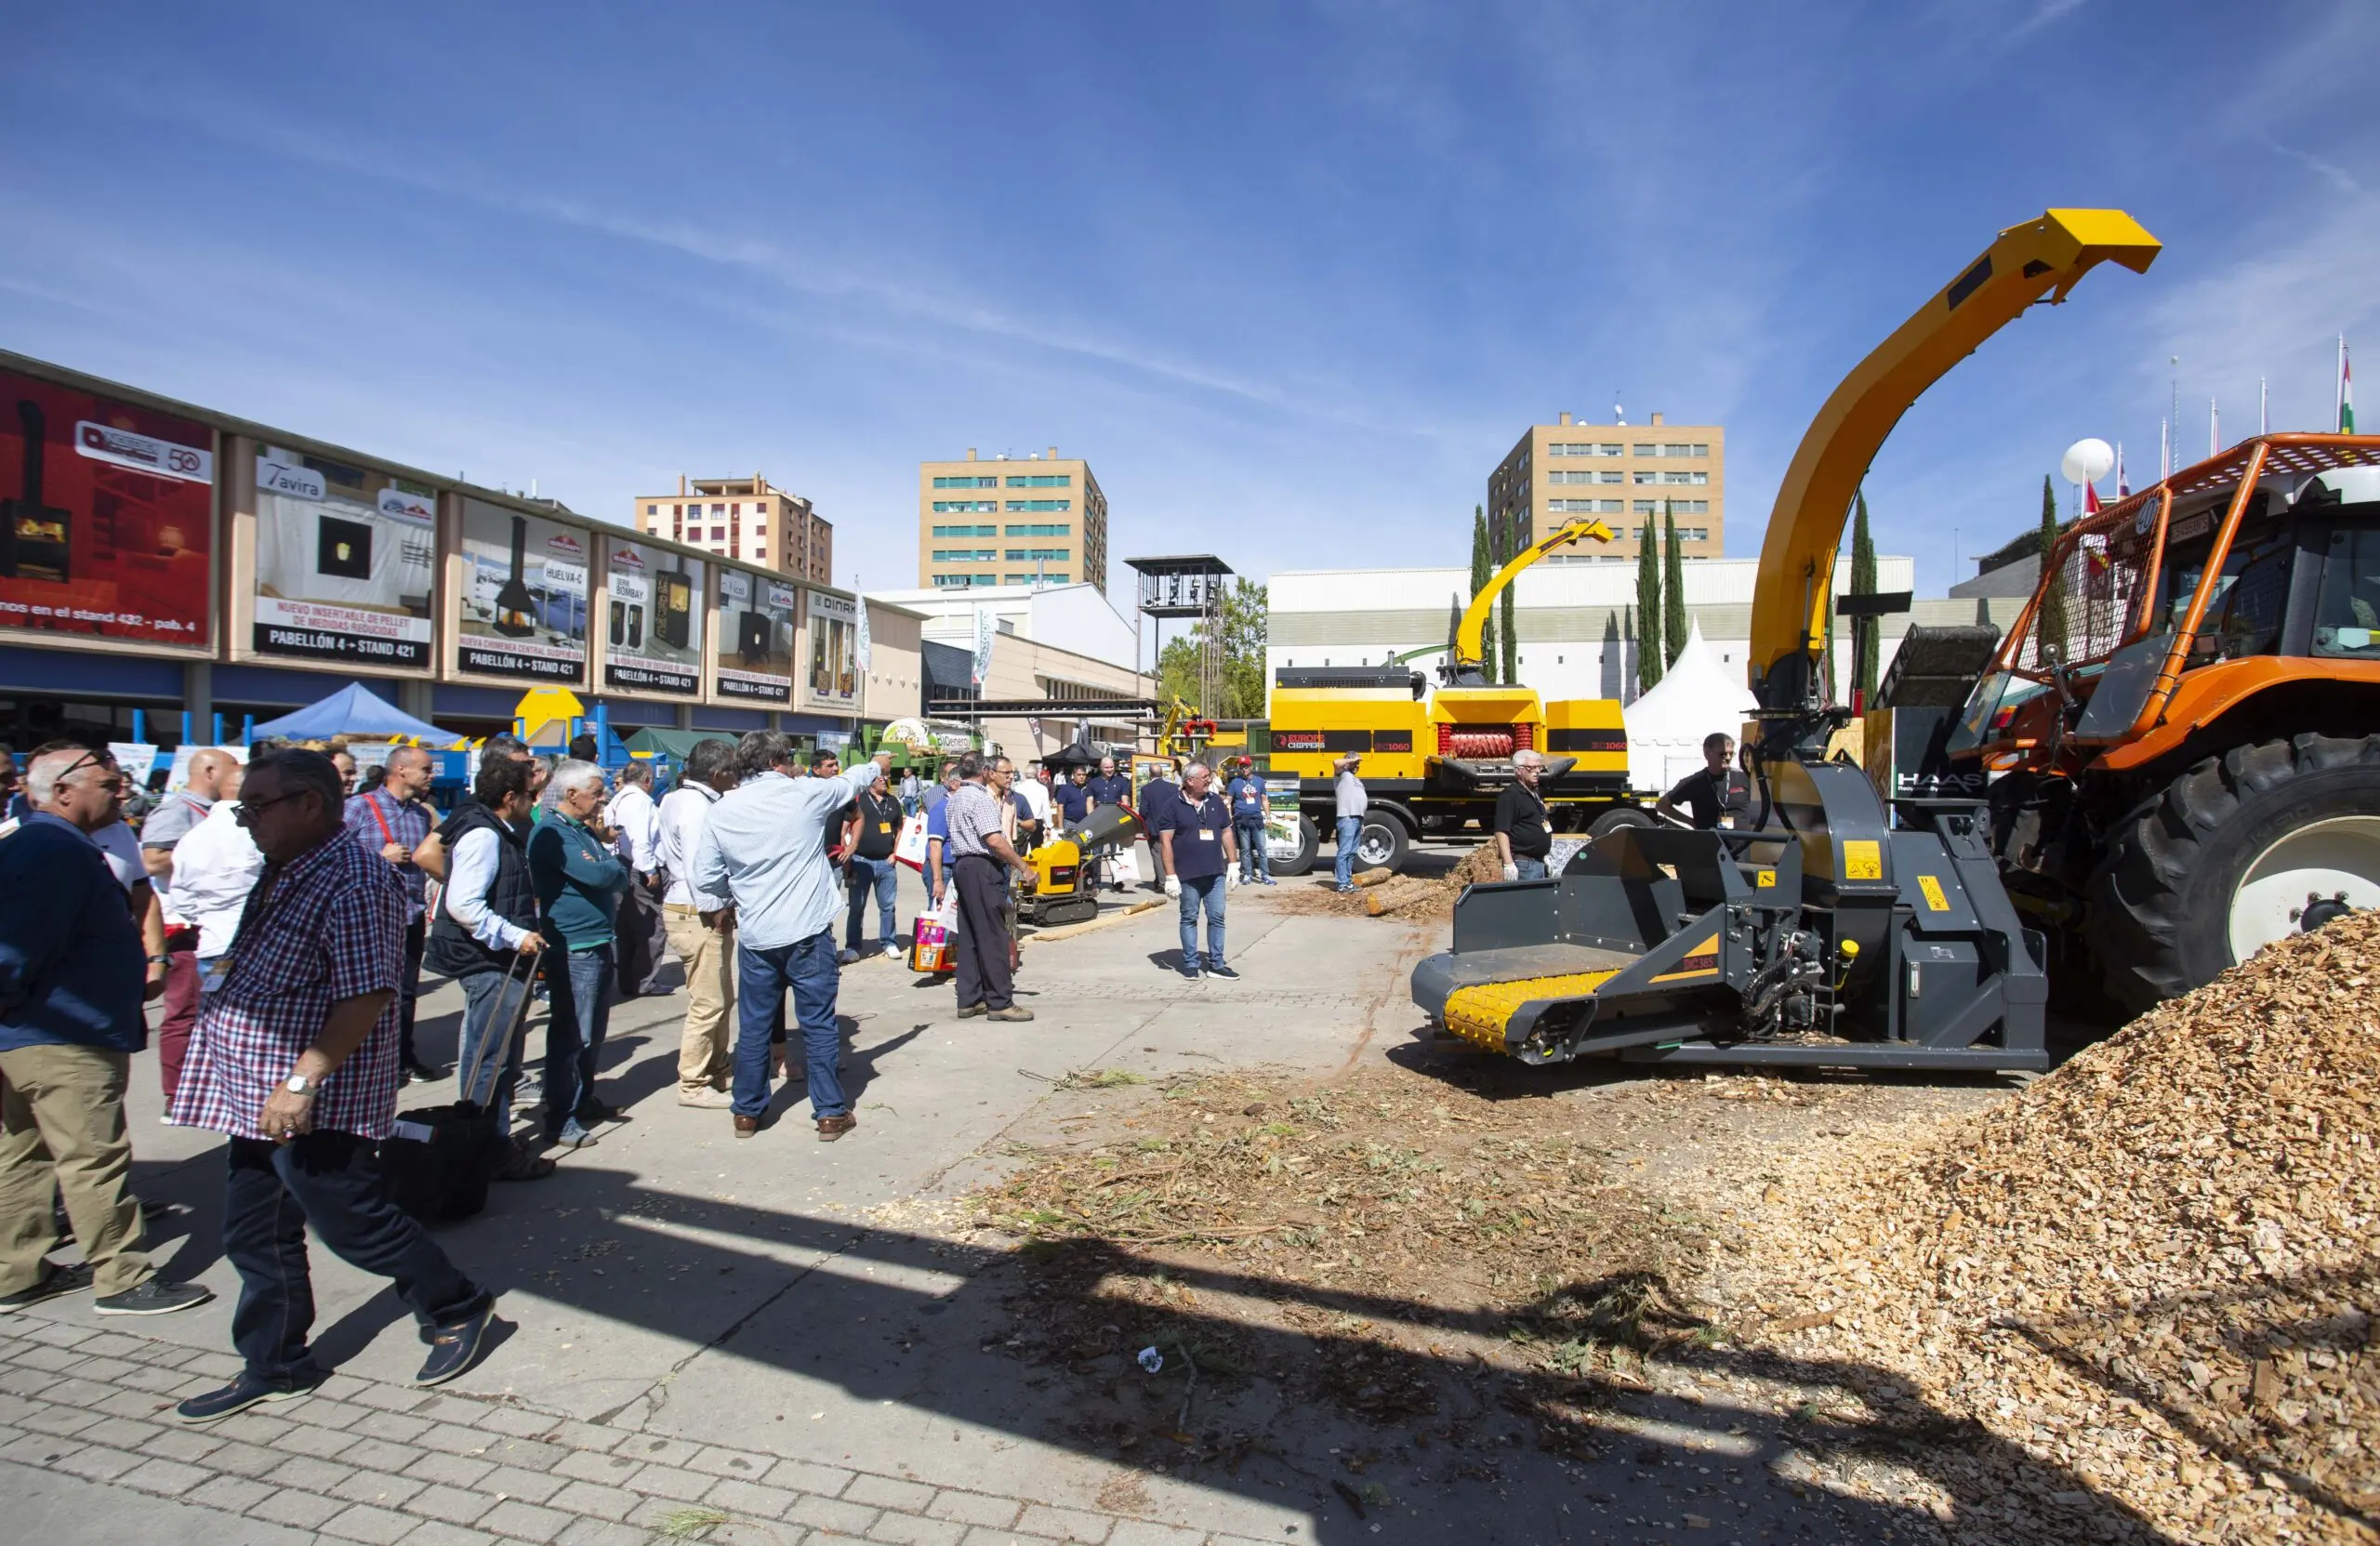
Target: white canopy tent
[(1666, 726)]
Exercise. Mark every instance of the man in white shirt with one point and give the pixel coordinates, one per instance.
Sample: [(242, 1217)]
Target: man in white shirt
[(176, 817), (215, 866), (1036, 798), (636, 931), (701, 926)]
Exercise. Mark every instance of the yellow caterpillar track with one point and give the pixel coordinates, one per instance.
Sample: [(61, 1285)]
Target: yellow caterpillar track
[(1479, 1014)]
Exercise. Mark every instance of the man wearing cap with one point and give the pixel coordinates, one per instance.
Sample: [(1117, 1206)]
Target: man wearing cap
[(1348, 790)]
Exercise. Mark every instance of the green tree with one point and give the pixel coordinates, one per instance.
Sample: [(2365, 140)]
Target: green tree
[(2052, 629), (1483, 569), (1181, 665), (1674, 616), (1508, 603), (1649, 632), (1864, 583)]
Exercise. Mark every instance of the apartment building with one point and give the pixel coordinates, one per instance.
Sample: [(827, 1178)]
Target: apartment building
[(1001, 522), (1626, 474), (743, 518)]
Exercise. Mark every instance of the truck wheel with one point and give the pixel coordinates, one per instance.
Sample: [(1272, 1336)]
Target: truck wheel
[(1382, 844), (1309, 844), (1618, 817), (2241, 850)]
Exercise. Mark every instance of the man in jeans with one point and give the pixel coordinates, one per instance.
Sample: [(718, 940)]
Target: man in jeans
[(765, 848), (873, 825), (702, 928), (1196, 833), (487, 920), (71, 993), (391, 820), (578, 881), (1352, 804), (1246, 795), (296, 1059)]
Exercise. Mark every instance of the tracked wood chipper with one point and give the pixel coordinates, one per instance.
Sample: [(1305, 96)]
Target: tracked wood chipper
[(1823, 933)]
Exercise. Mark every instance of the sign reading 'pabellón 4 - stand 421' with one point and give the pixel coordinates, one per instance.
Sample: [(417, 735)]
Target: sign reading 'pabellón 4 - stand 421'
[(523, 614)]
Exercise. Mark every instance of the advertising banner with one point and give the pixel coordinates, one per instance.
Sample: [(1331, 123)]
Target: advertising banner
[(834, 651), (757, 617), (523, 607), (1281, 839), (107, 517), (652, 621), (345, 557)]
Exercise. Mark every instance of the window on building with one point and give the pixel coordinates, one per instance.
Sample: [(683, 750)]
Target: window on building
[(759, 528), (1016, 505), (1686, 476), (968, 481), (653, 509), (1583, 448), (1583, 507), (985, 530), (719, 533), (1648, 477), (965, 507), (965, 555), (1043, 479), (1027, 555), (1690, 507), (1614, 476), (1039, 528)]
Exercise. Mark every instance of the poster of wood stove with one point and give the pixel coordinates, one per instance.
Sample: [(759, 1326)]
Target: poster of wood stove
[(345, 561), (652, 621), (834, 651), (524, 597), (107, 517), (757, 617)]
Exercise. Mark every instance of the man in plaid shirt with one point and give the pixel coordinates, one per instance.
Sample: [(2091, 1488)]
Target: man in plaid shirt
[(296, 1059), (391, 822)]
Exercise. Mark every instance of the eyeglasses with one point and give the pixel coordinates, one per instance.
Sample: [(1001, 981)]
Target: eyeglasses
[(246, 813)]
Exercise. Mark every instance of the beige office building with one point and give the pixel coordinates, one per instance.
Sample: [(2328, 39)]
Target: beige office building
[(1622, 473), (747, 519), (1041, 521)]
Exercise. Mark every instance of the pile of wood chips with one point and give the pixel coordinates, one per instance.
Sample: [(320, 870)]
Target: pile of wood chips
[(2158, 1267), (1383, 895)]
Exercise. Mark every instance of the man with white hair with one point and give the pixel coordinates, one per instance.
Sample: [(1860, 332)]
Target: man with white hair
[(1201, 866), (578, 881), (173, 820), (70, 994), (1524, 836)]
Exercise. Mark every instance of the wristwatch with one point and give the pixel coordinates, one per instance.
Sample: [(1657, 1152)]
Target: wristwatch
[(298, 1084), (161, 960)]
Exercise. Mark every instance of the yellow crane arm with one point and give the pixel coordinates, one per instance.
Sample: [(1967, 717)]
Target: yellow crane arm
[(1795, 585), (1467, 648)]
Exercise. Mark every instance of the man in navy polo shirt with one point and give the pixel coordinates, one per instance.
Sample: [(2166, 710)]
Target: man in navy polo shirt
[(1201, 866)]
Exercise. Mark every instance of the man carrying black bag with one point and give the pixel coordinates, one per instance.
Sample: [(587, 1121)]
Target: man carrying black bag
[(487, 922)]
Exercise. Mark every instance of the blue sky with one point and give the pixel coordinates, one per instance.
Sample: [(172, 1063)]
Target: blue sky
[(1292, 276)]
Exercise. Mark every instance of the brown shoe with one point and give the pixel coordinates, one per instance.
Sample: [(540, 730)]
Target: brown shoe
[(1013, 1012), (970, 1011), (746, 1126), (832, 1127)]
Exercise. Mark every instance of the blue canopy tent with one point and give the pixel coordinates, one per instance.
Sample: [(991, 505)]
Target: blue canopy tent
[(353, 711)]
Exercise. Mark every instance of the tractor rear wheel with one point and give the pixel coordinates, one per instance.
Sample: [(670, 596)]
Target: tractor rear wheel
[(2242, 849)]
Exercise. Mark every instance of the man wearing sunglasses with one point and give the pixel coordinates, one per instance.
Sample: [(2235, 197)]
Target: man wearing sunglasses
[(70, 994)]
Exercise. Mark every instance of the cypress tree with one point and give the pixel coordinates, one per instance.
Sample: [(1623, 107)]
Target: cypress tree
[(1864, 583), (2051, 630), (1481, 571), (1648, 609), (1674, 617), (1513, 544)]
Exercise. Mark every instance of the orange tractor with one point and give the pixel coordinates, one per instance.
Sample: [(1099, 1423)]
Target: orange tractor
[(2183, 726)]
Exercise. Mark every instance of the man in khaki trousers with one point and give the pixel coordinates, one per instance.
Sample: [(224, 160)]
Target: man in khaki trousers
[(701, 928), (72, 986)]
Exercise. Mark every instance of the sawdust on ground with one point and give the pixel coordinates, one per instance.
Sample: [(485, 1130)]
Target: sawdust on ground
[(1402, 896), (2158, 1266)]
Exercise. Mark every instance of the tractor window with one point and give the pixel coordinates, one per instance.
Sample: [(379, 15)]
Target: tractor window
[(2346, 619), (2243, 613)]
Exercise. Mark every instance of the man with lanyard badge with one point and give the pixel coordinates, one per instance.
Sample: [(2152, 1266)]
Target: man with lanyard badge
[(1247, 793), (1201, 867), (1522, 833), (1713, 792)]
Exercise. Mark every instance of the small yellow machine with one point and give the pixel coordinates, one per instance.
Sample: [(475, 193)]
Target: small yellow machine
[(1060, 893)]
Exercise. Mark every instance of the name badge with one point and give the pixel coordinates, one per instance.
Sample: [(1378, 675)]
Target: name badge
[(1205, 834), (884, 827)]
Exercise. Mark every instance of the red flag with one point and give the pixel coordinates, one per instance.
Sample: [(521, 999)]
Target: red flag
[(2089, 498)]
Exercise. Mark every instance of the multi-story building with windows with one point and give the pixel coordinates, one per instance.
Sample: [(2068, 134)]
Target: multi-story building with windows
[(1041, 521), (743, 518), (1627, 474)]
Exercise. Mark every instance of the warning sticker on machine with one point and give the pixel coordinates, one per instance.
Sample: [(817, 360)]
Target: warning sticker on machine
[(1863, 859), (1935, 900)]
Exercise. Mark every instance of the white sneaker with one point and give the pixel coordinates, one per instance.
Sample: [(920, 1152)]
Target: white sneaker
[(895, 951), (709, 1100)]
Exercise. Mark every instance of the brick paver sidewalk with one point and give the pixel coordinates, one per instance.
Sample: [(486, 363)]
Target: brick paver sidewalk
[(378, 1463)]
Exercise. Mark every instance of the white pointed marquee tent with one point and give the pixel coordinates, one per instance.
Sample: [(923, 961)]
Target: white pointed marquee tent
[(1666, 726)]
